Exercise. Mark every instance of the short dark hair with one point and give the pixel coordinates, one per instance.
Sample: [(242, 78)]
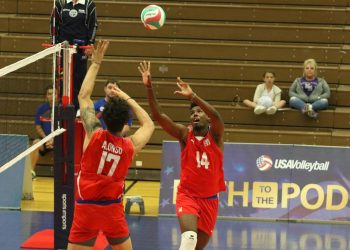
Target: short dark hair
[(114, 81), (115, 114)]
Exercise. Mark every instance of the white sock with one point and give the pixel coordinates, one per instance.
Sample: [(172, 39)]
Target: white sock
[(188, 240)]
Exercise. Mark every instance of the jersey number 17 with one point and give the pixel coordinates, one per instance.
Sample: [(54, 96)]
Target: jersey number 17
[(108, 157)]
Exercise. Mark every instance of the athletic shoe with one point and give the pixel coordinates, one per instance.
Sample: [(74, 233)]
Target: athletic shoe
[(271, 110), (309, 107), (313, 114), (306, 108), (310, 111), (259, 110)]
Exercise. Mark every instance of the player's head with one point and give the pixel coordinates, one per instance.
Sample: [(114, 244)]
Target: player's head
[(110, 83), (198, 117), (115, 114), (49, 94)]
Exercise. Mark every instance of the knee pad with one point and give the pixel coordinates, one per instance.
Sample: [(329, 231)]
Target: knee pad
[(188, 240)]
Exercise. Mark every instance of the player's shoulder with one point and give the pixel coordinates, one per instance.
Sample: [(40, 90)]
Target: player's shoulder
[(42, 108), (100, 101), (99, 105), (98, 133)]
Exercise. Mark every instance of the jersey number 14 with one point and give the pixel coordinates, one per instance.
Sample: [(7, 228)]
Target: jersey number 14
[(202, 160)]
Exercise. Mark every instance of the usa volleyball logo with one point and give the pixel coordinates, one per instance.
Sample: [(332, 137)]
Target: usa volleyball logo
[(264, 163)]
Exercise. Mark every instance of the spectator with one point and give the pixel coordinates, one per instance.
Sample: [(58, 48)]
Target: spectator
[(43, 128), (267, 97), (309, 93), (99, 104), (75, 22)]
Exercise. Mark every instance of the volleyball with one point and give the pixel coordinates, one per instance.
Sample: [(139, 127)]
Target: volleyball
[(264, 163), (265, 101), (153, 17)]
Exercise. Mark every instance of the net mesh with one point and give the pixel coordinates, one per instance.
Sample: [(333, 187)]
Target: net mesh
[(24, 79), (22, 86)]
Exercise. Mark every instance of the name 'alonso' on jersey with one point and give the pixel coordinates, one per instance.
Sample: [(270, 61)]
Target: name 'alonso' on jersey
[(104, 166), (202, 173)]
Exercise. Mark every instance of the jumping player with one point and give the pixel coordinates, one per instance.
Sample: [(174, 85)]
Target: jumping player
[(104, 164), (202, 176)]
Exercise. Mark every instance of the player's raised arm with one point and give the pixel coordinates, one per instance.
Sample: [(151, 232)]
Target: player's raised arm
[(87, 112), (174, 129), (144, 133), (216, 122)]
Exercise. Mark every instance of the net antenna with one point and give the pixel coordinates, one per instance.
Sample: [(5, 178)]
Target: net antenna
[(54, 59), (68, 52)]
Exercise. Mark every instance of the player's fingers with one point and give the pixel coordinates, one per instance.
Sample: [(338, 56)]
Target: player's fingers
[(179, 85), (104, 45), (145, 65), (142, 65), (99, 44)]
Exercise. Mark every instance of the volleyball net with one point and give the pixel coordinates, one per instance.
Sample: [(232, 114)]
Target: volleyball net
[(24, 84)]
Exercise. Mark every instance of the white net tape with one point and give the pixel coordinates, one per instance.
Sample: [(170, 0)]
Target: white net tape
[(24, 62), (20, 64)]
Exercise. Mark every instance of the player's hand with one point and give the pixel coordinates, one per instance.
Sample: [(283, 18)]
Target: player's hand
[(145, 70), (99, 52), (119, 93), (185, 89)]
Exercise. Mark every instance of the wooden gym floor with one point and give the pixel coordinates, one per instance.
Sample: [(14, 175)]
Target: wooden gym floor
[(151, 232), (43, 196)]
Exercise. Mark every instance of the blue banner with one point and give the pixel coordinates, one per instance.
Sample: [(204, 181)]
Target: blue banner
[(270, 181)]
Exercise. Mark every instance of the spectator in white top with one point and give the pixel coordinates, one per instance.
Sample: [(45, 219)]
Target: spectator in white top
[(267, 97)]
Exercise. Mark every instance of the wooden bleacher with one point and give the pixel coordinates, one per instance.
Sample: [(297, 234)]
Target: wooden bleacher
[(221, 47)]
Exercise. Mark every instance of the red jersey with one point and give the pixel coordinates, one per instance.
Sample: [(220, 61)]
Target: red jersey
[(104, 166), (202, 173)]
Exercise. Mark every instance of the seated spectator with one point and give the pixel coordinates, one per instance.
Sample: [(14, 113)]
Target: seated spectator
[(267, 97), (99, 105), (309, 93), (43, 128)]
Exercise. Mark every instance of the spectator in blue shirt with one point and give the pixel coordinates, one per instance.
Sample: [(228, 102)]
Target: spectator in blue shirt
[(99, 104), (42, 123)]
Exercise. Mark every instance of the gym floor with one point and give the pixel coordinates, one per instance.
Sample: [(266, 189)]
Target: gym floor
[(162, 233)]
